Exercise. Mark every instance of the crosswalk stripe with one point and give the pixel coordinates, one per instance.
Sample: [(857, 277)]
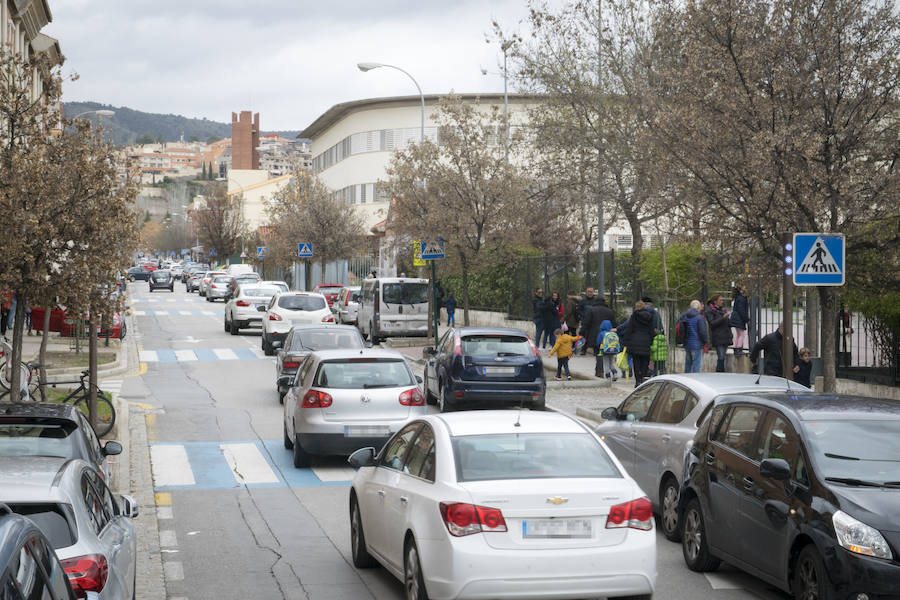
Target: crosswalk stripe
[(148, 356), (209, 313), (113, 386), (139, 313), (170, 465), (225, 354), (334, 473), (247, 463), (161, 313), (185, 355), (184, 312)]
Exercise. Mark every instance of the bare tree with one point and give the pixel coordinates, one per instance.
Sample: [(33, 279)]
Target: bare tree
[(218, 222)]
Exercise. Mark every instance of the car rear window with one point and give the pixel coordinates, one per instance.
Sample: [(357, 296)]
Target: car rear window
[(363, 373), (530, 456), (255, 292), (56, 522), (222, 279), (301, 302), (495, 345), (326, 340), (38, 439), (404, 293)]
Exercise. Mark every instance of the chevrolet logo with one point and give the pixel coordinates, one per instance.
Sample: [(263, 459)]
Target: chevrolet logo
[(557, 500)]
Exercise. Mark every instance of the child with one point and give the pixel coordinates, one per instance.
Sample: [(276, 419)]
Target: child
[(803, 369), (450, 305), (563, 349), (608, 347), (659, 353)]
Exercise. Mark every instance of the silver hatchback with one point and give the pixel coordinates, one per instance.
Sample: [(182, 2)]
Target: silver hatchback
[(652, 430), (342, 400), (90, 529)]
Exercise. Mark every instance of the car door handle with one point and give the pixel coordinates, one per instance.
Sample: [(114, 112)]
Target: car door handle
[(666, 437), (404, 500), (710, 458), (748, 482), (380, 493)]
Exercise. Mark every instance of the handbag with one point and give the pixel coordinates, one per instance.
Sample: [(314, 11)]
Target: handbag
[(564, 327), (622, 360)]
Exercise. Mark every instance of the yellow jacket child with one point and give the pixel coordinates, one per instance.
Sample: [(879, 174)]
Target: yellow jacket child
[(563, 345)]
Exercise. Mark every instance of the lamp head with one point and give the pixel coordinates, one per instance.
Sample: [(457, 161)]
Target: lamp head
[(368, 66), (105, 112)]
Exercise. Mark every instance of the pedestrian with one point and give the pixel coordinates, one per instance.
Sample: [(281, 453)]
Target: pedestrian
[(584, 307), (639, 336), (842, 339), (772, 344), (803, 369), (594, 316), (657, 327), (553, 310), (450, 305), (570, 313), (719, 329), (371, 275), (6, 298), (537, 310), (608, 347), (694, 335), (739, 319), (563, 350), (659, 352)]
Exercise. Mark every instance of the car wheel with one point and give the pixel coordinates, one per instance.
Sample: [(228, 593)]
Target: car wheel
[(288, 442), (810, 581), (301, 457), (131, 278), (414, 582), (693, 540), (281, 394), (227, 326), (208, 299), (446, 403), (235, 328), (266, 346), (429, 397), (361, 557), (668, 502)]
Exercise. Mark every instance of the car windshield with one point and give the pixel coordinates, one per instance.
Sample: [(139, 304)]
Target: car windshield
[(495, 345), (301, 302), (258, 292), (222, 279), (363, 373), (322, 339), (405, 293), (865, 450), (37, 439), (530, 456), (51, 520)]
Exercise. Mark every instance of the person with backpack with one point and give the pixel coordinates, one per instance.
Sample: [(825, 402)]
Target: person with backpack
[(594, 315), (639, 336), (608, 347), (691, 334), (657, 328)]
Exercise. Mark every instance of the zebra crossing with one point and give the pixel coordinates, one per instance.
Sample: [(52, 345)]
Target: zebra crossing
[(111, 386), (226, 465), (178, 313), (166, 300), (201, 355)]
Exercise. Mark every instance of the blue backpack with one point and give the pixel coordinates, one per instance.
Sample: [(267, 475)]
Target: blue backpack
[(610, 343)]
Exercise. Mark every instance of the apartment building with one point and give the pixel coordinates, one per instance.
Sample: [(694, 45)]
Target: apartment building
[(21, 22)]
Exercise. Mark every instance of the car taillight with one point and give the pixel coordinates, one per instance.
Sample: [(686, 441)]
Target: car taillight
[(346, 300), (637, 514), (274, 317), (534, 349), (289, 364), (465, 519), (316, 399), (457, 346), (86, 573), (206, 281), (328, 319), (412, 397), (242, 303)]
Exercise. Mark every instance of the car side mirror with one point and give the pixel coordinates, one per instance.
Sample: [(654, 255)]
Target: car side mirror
[(111, 448), (429, 350), (261, 308), (129, 506), (610, 414), (775, 468), (419, 379), (276, 344), (364, 457)]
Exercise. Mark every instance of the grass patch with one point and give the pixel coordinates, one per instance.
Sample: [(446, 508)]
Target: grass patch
[(60, 360)]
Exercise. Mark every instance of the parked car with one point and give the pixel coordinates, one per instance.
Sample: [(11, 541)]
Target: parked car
[(800, 490), (53, 429), (329, 290), (502, 504), (304, 339), (205, 280), (347, 304), (281, 285), (241, 279), (218, 288), (246, 308), (88, 527), (343, 399), (67, 325), (292, 308), (238, 269), (177, 271), (393, 307), (651, 430), (162, 279), (29, 568), (484, 367), (139, 274), (192, 276)]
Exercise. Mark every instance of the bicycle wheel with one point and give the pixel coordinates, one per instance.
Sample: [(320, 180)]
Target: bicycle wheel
[(106, 413)]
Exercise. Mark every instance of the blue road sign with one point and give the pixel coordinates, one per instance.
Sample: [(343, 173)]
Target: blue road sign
[(212, 252), (432, 249), (304, 250), (261, 251), (819, 259)]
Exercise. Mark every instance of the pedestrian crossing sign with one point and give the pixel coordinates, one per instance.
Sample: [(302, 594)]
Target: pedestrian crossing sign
[(432, 249), (304, 250), (261, 251), (819, 259)]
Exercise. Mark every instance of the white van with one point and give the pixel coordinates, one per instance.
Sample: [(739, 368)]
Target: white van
[(239, 269), (393, 307)]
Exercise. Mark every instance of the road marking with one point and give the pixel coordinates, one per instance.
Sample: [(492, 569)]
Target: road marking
[(142, 405), (185, 355), (225, 354), (161, 313), (208, 313), (139, 313), (163, 499), (170, 465), (722, 582), (334, 473), (167, 538), (184, 312), (164, 512), (173, 570), (248, 464), (148, 356)]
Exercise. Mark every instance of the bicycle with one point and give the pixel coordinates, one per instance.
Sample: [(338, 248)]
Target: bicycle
[(27, 369), (106, 412)]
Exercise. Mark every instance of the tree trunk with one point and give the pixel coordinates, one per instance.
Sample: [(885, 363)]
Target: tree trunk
[(42, 355), (829, 328), (15, 372), (637, 245), (92, 362)]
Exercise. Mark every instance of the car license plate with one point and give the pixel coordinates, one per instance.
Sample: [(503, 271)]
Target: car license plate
[(366, 431), (556, 528), (498, 370)]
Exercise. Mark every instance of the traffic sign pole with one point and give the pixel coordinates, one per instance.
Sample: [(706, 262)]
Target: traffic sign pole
[(787, 310), (437, 308)]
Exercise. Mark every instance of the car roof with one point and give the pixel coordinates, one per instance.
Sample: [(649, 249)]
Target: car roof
[(257, 285), (296, 293), (273, 282), (464, 331), (33, 478), (324, 326), (714, 384), (329, 285), (819, 406), (14, 530), (482, 422), (38, 410), (357, 353)]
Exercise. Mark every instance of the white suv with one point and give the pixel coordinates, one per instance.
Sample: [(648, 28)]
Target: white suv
[(292, 308)]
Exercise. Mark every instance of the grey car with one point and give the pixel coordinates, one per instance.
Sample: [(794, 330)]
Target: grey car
[(652, 430), (304, 339), (89, 528), (28, 566), (219, 288)]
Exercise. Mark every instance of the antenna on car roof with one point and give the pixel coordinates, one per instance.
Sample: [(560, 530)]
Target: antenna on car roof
[(519, 416)]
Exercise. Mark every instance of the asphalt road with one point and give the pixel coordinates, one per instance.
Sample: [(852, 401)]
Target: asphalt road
[(236, 519)]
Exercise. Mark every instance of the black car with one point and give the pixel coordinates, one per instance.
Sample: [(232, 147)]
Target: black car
[(162, 280), (484, 367), (52, 429), (800, 490), (29, 567), (138, 274), (303, 339)]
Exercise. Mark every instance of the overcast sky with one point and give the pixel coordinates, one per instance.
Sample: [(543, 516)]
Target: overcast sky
[(289, 60)]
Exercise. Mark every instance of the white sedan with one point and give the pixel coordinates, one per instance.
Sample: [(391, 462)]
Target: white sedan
[(246, 308), (292, 308), (502, 504)]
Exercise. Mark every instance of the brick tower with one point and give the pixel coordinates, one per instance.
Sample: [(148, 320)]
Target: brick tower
[(244, 140)]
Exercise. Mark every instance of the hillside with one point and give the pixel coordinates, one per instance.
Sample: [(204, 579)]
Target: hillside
[(127, 125)]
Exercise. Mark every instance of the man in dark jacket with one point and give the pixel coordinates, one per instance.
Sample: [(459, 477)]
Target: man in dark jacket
[(584, 307), (772, 343), (695, 338), (590, 326), (538, 304), (638, 333)]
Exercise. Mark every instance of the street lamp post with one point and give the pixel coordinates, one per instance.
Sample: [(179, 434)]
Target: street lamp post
[(102, 112)]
